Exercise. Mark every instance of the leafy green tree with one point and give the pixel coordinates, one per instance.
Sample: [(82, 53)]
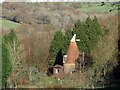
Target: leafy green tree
[(68, 35), (96, 32), (57, 44), (82, 35), (10, 54), (14, 45), (97, 26), (88, 32), (6, 60)]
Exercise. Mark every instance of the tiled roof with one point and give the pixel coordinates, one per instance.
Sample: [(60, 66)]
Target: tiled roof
[(58, 66), (72, 53)]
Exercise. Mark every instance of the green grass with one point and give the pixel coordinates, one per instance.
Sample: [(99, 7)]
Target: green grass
[(97, 8), (6, 24)]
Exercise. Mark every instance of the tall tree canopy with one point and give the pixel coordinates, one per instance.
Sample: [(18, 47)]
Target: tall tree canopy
[(10, 45), (6, 60), (57, 44), (88, 32)]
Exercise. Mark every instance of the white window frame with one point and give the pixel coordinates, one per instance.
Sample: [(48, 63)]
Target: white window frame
[(57, 71), (64, 58)]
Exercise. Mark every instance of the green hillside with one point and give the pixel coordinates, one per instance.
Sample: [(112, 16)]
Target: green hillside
[(6, 24), (98, 8), (31, 51)]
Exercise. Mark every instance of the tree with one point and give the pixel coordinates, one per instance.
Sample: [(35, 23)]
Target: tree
[(97, 26), (68, 35), (11, 55), (57, 44), (81, 31), (6, 60), (88, 33), (14, 46)]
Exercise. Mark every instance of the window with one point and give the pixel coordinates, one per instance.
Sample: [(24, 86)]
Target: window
[(57, 71), (64, 58)]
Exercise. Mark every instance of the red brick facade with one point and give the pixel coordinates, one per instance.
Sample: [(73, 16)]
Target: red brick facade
[(58, 71)]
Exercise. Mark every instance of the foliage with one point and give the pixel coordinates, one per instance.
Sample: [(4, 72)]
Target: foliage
[(50, 13), (57, 44), (36, 48), (105, 57), (88, 33), (10, 45), (6, 60), (11, 37)]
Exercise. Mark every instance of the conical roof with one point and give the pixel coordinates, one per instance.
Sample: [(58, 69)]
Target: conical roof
[(73, 51)]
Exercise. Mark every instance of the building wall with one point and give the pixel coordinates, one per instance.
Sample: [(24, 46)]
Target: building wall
[(58, 75), (69, 68)]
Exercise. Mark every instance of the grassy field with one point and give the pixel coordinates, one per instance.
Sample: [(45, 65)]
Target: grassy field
[(97, 8), (6, 24)]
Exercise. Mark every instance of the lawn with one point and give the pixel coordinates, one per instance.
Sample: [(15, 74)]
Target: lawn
[(97, 8), (6, 24)]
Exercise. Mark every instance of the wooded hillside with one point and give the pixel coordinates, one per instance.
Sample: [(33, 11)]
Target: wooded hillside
[(40, 30)]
